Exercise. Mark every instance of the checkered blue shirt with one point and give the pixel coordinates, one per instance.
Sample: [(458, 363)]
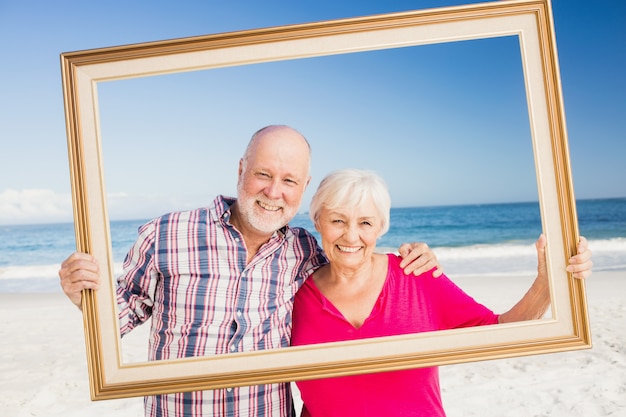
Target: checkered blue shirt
[(187, 270)]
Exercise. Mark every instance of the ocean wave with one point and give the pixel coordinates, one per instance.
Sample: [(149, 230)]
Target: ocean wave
[(49, 271), (512, 259), (29, 271), (484, 260)]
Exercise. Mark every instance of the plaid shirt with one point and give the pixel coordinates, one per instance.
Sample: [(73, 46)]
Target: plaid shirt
[(188, 271)]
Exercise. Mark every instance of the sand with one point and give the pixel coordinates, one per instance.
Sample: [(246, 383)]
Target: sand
[(43, 367)]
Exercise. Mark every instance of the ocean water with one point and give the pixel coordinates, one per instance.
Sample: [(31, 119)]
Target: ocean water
[(469, 240)]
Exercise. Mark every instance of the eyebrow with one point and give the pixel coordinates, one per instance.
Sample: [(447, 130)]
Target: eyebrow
[(269, 171), (340, 214)]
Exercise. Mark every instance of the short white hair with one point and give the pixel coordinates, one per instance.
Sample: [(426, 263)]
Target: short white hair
[(349, 188)]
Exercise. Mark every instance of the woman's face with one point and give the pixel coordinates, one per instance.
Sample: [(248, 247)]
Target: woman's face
[(349, 233)]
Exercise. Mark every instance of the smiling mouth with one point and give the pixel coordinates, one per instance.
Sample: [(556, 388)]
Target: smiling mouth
[(349, 249), (268, 207)]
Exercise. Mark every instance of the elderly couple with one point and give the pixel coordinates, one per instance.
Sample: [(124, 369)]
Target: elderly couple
[(232, 277)]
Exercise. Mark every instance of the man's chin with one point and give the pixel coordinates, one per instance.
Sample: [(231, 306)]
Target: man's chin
[(267, 226)]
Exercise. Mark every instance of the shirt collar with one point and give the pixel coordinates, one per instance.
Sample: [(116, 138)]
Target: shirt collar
[(221, 210)]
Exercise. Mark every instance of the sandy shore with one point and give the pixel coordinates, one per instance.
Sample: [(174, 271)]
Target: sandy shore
[(44, 373)]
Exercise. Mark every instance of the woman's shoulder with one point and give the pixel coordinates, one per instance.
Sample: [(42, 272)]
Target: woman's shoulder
[(395, 270), (393, 264)]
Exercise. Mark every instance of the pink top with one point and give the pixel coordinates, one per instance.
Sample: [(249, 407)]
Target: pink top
[(406, 304)]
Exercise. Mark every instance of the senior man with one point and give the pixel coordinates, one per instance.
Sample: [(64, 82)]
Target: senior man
[(223, 278)]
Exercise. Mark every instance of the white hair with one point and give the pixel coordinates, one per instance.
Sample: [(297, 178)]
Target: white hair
[(349, 188)]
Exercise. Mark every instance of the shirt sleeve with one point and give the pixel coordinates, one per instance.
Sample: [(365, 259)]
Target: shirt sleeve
[(458, 309), (313, 256), (437, 302), (137, 284)]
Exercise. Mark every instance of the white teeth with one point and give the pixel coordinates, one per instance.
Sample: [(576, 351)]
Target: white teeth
[(269, 207), (348, 249)]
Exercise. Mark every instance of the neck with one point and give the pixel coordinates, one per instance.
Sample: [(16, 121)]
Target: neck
[(352, 274), (353, 291), (252, 238)]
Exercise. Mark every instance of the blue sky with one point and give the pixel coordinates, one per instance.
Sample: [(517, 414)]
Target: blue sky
[(443, 124)]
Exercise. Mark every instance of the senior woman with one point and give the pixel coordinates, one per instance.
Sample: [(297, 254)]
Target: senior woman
[(362, 294)]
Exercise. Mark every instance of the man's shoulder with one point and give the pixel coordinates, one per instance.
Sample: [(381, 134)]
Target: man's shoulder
[(182, 219), (181, 215), (300, 233), (305, 248), (301, 238)]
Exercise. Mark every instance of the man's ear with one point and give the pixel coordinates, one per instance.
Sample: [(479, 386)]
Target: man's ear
[(240, 167)]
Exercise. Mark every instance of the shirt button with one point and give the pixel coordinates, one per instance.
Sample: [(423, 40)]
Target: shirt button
[(229, 390), (233, 348), (239, 313)]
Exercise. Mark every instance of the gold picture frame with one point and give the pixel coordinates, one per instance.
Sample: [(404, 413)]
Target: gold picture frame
[(530, 21)]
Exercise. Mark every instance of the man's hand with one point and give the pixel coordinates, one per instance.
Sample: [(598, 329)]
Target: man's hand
[(78, 272), (418, 258)]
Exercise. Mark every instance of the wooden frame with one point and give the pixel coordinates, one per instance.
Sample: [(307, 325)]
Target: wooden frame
[(530, 21)]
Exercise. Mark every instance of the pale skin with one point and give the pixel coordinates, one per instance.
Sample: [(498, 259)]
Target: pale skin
[(355, 275), (273, 175), (272, 179), (537, 299)]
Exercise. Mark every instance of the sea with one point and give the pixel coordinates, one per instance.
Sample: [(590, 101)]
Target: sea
[(469, 240)]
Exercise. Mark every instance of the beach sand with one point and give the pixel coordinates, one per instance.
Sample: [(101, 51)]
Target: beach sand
[(43, 365)]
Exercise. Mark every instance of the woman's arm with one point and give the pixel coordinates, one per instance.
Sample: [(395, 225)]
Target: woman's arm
[(536, 301)]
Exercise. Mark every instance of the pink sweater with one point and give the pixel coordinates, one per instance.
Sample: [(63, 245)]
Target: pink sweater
[(406, 304)]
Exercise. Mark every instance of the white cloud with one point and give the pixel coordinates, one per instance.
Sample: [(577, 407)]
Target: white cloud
[(34, 206), (37, 206)]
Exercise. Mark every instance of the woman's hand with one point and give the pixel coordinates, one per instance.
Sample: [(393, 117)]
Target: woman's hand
[(537, 300), (580, 264)]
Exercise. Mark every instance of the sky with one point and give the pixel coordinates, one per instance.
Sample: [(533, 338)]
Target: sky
[(443, 124)]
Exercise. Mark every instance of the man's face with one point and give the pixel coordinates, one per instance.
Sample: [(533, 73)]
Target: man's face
[(272, 181)]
